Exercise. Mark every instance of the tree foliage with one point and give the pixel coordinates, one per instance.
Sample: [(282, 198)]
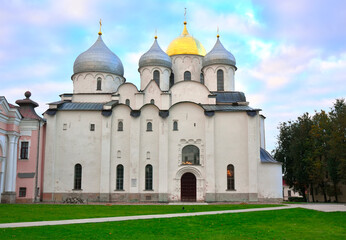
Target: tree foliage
[(312, 150)]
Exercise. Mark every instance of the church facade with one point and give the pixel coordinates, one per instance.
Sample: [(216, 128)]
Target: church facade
[(185, 135)]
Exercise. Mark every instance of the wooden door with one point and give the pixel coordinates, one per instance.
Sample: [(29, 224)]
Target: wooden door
[(188, 188)]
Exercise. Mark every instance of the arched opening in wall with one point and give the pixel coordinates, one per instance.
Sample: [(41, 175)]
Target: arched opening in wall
[(220, 80), (120, 126), (188, 188), (120, 177), (127, 102), (149, 127), (187, 76), (156, 77), (190, 155), (171, 80), (230, 177), (99, 82), (152, 101), (77, 177), (175, 125), (202, 78), (148, 177)]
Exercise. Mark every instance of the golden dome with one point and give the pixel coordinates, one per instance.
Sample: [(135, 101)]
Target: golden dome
[(185, 44)]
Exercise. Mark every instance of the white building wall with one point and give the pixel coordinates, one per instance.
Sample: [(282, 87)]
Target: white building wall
[(146, 74), (270, 181), (186, 62), (210, 77)]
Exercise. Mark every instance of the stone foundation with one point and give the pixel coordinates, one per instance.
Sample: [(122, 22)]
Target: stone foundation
[(231, 197), (8, 197)]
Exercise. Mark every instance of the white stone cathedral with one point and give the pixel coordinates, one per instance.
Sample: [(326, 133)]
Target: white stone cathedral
[(185, 135)]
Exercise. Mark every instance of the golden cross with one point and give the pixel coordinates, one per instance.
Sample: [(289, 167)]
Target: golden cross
[(100, 32), (185, 14)]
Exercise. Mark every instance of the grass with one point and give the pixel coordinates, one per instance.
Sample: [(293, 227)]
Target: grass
[(281, 224), (40, 212)]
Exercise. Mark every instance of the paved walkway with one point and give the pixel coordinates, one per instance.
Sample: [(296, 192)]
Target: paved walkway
[(319, 207), (117, 219)]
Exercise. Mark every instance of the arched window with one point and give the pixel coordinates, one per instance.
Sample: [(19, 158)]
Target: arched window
[(127, 102), (152, 101), (187, 76), (149, 127), (190, 155), (99, 82), (230, 177), (148, 177), (156, 77), (171, 80), (220, 84), (201, 78), (175, 125), (120, 177), (77, 177), (120, 126)]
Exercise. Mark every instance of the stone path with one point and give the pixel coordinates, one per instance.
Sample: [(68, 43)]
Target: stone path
[(319, 207)]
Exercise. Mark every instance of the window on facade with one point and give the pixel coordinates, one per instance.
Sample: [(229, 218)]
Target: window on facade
[(156, 77), (92, 127), (120, 126), (24, 150), (230, 177), (127, 102), (77, 176), (22, 192), (64, 126), (187, 76), (190, 155), (120, 177), (220, 81), (202, 78), (149, 127), (99, 82), (171, 80), (175, 125), (148, 177), (152, 101)]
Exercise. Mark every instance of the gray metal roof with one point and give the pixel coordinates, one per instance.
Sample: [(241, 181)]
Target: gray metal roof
[(70, 106), (228, 108), (219, 55), (266, 157), (155, 57), (229, 97), (98, 58)]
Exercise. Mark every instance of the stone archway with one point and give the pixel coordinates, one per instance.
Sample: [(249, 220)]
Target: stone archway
[(188, 187)]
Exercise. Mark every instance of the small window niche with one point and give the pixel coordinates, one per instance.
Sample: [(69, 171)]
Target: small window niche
[(120, 126), (99, 83), (64, 126), (148, 155), (149, 126), (119, 154), (22, 192), (175, 125), (127, 102), (92, 127), (152, 101)]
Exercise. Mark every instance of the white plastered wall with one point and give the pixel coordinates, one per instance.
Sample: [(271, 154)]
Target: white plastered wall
[(185, 62), (210, 77), (146, 74)]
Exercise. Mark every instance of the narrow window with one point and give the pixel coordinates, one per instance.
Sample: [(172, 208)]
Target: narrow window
[(120, 126), (156, 77), (64, 126), (120, 177), (152, 101), (77, 177), (99, 81), (149, 127), (148, 177), (119, 154), (22, 192), (92, 127), (24, 150), (175, 125), (171, 80), (202, 78), (220, 82), (190, 155), (127, 102), (148, 155), (187, 76), (230, 177)]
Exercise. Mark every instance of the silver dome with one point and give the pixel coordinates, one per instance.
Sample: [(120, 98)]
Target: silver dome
[(155, 57), (219, 55), (98, 58)]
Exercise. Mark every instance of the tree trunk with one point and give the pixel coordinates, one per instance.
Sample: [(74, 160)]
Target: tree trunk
[(336, 191), (324, 191), (312, 192)]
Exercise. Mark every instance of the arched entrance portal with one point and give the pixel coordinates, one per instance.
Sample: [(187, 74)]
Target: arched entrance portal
[(188, 187)]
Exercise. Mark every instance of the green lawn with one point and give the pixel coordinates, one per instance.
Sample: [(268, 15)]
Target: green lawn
[(39, 212), (280, 224)]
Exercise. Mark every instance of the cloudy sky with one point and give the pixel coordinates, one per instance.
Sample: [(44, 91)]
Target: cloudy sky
[(291, 55)]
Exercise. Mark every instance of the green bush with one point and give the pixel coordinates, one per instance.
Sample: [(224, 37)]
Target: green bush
[(296, 199)]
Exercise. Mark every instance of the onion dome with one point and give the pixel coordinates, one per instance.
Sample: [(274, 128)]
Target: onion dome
[(185, 44), (98, 58), (219, 55), (155, 57)]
